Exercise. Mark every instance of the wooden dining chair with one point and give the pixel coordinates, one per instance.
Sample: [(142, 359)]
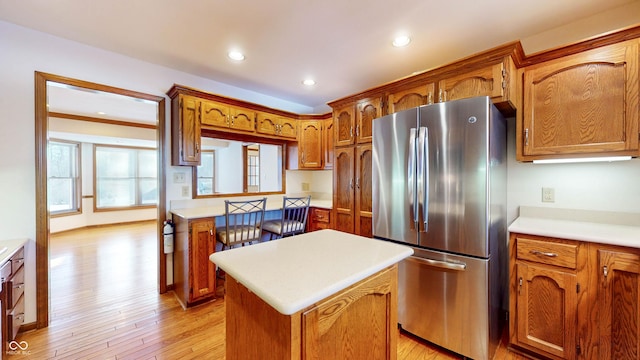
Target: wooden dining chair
[(243, 222), (293, 220)]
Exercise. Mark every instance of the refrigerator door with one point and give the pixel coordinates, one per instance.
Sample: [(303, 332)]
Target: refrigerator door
[(394, 177), (453, 174), (445, 299)]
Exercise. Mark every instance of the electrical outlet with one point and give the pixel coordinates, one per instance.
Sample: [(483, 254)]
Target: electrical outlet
[(178, 177), (185, 191), (305, 186), (548, 195)]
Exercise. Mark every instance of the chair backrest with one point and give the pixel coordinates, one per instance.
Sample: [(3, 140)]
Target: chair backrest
[(294, 214), (243, 220)]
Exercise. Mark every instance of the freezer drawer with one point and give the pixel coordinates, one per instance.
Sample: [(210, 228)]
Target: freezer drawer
[(446, 299)]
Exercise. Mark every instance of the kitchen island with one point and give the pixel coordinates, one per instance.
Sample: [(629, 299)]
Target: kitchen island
[(320, 295)]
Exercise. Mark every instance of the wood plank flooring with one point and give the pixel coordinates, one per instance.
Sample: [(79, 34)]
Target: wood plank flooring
[(105, 305)]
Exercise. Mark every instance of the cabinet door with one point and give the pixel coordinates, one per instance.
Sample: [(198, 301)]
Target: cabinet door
[(328, 144), (287, 128), (367, 111), (335, 329), (363, 190), (310, 143), (487, 81), (189, 132), (618, 304), (344, 122), (267, 123), (546, 309), (582, 103), (343, 189), (410, 98), (214, 114), (242, 119), (203, 279)]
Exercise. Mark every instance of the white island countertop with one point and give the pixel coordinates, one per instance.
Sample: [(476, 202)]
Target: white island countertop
[(603, 227), (293, 273)]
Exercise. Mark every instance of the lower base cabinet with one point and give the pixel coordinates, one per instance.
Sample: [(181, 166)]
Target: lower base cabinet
[(359, 322), (574, 299), (194, 275), (12, 299), (319, 218)]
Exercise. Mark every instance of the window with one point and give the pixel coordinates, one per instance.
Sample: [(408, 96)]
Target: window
[(253, 168), (63, 170), (125, 177), (205, 173)]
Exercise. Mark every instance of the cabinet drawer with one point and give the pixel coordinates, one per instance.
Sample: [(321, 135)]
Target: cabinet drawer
[(17, 260), (321, 215), (16, 288), (547, 252), (15, 319), (5, 271)]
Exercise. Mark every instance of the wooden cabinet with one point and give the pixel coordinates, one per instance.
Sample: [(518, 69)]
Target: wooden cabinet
[(226, 116), (367, 110), (352, 190), (545, 297), (319, 219), (581, 105), (270, 124), (13, 300), (333, 328), (344, 122), (617, 302), (491, 80), (310, 144), (194, 274), (409, 98), (185, 129), (328, 134), (573, 299)]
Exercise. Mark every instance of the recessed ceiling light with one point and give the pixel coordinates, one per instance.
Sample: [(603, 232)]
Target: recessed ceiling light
[(236, 55), (101, 113), (401, 41), (309, 82)]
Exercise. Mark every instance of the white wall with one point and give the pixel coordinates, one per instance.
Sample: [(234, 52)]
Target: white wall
[(607, 186)]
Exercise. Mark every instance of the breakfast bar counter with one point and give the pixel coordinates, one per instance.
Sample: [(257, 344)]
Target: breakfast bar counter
[(325, 294)]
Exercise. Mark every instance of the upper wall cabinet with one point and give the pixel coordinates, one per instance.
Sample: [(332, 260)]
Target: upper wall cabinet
[(271, 124), (492, 80), (343, 122), (310, 153), (408, 98), (579, 105), (226, 116), (367, 110), (185, 129)]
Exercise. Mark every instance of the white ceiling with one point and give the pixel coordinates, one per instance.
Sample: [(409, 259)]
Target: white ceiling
[(345, 45)]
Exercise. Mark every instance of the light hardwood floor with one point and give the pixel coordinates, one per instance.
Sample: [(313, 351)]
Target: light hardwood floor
[(105, 305)]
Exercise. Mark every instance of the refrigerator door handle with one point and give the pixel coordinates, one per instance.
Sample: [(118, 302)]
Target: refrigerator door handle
[(411, 183), (439, 264), (423, 178)]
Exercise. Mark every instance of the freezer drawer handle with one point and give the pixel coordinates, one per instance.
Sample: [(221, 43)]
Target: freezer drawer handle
[(536, 252), (441, 264)]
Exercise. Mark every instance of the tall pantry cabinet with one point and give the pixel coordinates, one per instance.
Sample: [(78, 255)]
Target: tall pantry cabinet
[(352, 165)]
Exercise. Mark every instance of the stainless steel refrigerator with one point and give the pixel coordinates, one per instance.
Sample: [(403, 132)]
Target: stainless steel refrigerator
[(439, 185)]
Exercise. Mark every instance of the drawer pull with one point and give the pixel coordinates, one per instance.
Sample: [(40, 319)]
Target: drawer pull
[(548, 254), (19, 286)]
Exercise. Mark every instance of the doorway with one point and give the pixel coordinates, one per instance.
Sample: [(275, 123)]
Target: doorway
[(42, 83)]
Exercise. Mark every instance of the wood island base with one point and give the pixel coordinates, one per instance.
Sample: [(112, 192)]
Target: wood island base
[(359, 322)]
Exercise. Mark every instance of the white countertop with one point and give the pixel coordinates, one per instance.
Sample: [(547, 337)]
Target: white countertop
[(293, 273), (602, 227), (8, 247), (218, 210)]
